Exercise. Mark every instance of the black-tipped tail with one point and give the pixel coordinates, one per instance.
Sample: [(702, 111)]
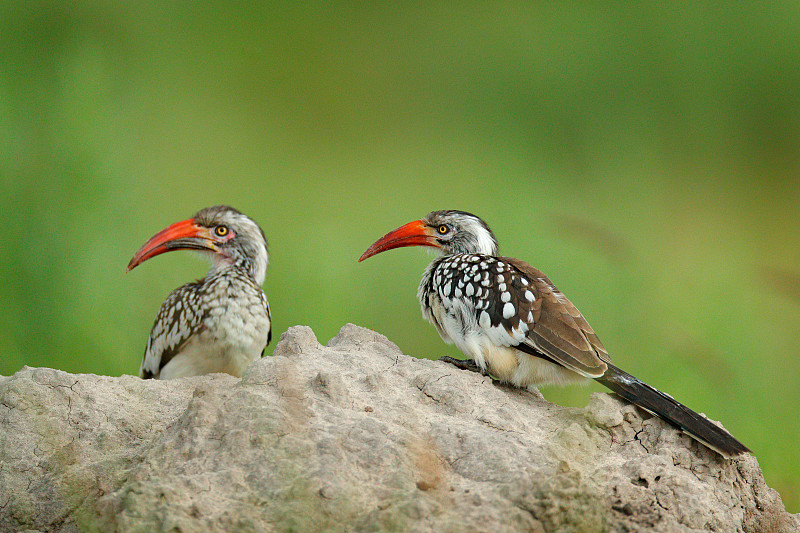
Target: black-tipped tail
[(662, 405)]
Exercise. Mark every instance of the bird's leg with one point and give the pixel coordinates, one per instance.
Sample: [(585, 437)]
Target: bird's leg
[(465, 364)]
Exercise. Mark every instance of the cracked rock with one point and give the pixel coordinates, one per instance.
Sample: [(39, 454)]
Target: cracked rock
[(353, 436)]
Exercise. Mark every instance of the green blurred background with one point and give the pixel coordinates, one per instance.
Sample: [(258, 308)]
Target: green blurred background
[(645, 156)]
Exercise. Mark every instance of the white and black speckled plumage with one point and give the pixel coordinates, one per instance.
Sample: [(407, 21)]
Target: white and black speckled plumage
[(220, 323), (490, 308)]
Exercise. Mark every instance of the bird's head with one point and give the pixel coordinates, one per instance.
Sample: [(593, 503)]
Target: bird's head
[(454, 232), (228, 236)]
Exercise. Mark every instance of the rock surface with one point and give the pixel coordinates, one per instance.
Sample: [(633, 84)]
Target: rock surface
[(353, 436)]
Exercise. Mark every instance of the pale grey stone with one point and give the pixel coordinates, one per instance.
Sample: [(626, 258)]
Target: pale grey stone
[(353, 436)]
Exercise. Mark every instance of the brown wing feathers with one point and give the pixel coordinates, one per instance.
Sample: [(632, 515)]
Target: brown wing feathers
[(559, 331)]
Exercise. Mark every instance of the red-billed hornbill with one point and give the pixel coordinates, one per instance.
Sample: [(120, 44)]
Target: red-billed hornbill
[(220, 323), (511, 320)]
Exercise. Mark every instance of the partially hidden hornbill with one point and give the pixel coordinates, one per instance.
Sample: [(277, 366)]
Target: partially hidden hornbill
[(220, 323), (513, 323)]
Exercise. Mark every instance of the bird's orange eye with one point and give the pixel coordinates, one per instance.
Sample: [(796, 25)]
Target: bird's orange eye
[(221, 231), (443, 229)]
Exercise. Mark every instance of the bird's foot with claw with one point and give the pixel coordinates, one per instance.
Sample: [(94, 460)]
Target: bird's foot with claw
[(465, 364)]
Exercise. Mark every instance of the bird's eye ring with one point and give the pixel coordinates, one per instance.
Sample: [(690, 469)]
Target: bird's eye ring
[(221, 231), (443, 229)]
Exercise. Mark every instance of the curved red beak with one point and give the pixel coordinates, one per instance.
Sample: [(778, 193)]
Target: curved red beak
[(415, 233), (184, 235)]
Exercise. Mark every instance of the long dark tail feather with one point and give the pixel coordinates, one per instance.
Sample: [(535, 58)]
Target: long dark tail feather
[(662, 405)]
